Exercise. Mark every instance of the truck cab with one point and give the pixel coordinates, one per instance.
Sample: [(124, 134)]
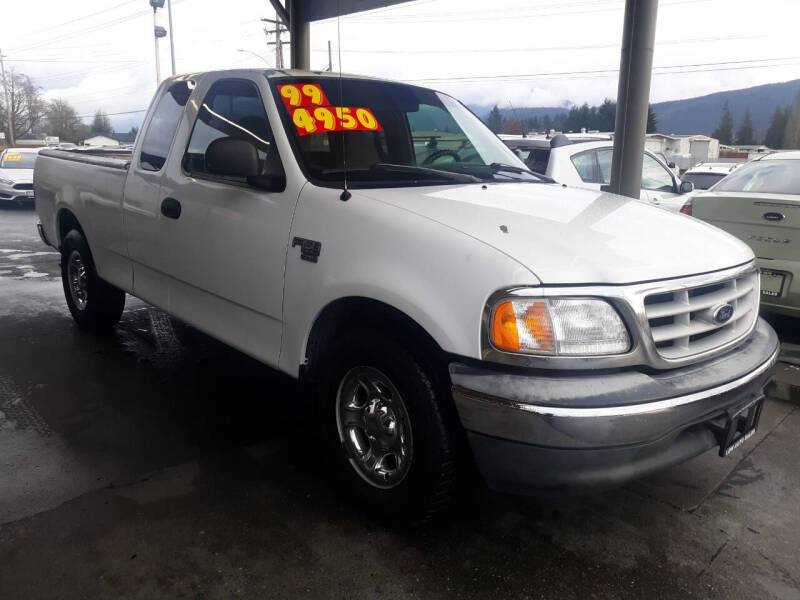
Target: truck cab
[(440, 303)]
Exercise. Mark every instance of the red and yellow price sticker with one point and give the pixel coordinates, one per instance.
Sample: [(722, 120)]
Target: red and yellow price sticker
[(333, 118), (302, 94)]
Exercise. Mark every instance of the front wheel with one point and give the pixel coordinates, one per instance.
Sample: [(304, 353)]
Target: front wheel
[(93, 303), (389, 429)]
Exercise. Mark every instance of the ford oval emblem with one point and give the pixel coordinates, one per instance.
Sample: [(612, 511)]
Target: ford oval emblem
[(722, 313), (774, 216)]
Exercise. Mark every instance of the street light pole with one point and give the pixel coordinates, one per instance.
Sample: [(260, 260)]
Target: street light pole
[(158, 56), (253, 53), (171, 35)]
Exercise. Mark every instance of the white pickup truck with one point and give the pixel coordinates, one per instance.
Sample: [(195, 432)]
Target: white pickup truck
[(444, 305)]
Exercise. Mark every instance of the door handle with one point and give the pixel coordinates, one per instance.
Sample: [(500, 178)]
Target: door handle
[(171, 208), (655, 200)]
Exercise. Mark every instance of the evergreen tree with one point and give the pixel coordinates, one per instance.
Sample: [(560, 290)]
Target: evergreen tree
[(745, 135), (777, 129), (606, 115), (652, 120), (724, 131), (101, 125), (791, 136), (547, 123), (494, 120)]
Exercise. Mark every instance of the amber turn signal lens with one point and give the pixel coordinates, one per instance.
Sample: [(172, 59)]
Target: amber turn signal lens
[(522, 326), (504, 328)]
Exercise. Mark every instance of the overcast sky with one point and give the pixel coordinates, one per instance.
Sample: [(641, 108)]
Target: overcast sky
[(99, 53)]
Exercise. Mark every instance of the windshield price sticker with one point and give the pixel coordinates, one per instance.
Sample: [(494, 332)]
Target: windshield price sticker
[(302, 94), (334, 118), (12, 157)]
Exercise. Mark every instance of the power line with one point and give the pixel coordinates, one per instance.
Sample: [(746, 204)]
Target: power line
[(603, 71), (114, 114), (542, 48)]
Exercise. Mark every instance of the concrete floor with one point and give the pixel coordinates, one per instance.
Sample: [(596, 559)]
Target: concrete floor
[(156, 462)]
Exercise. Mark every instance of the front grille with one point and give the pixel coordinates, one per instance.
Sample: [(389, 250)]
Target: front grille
[(23, 186), (682, 324)]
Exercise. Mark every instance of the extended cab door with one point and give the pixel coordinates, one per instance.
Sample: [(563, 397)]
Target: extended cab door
[(219, 243)]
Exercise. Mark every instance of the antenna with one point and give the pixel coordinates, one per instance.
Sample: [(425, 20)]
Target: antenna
[(346, 195), (516, 116)]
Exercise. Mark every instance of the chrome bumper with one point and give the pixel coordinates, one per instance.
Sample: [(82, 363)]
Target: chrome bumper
[(591, 425)]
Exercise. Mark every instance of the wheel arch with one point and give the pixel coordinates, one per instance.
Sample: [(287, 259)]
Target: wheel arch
[(363, 312), (66, 221)]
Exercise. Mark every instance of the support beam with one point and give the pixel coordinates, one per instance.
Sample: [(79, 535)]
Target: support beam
[(633, 96), (299, 35), (282, 13)]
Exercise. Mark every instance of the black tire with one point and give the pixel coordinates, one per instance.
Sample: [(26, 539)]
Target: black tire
[(98, 305), (429, 482)]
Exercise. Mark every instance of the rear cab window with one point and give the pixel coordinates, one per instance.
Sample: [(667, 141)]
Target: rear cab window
[(163, 125)]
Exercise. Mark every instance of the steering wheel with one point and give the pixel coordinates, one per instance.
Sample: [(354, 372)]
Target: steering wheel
[(434, 156)]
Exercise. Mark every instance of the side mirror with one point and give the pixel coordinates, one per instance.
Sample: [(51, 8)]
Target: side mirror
[(686, 187), (230, 157), (671, 165)]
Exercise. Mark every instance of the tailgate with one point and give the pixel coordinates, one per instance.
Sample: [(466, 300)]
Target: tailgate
[(769, 223)]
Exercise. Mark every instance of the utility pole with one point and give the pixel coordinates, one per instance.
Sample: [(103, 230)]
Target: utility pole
[(9, 108), (171, 36), (278, 31)]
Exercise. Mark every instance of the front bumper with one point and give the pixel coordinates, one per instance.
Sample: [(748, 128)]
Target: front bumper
[(532, 433), (10, 195)]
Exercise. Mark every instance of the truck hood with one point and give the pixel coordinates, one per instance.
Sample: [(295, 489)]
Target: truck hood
[(17, 175), (574, 236)]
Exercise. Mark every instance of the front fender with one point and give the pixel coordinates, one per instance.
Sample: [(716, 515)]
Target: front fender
[(437, 276)]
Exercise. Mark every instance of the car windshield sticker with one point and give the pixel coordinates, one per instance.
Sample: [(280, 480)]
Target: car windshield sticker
[(12, 157), (311, 111), (303, 94)]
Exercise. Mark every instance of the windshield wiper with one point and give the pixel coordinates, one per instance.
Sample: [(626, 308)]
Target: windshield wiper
[(433, 173), (493, 168)]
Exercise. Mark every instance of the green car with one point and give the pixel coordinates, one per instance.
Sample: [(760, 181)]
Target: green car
[(760, 204)]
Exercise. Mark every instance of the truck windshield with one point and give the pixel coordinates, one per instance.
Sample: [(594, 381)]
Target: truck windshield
[(387, 134)]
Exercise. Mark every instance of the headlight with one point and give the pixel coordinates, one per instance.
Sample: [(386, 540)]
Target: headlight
[(558, 326), (6, 181)]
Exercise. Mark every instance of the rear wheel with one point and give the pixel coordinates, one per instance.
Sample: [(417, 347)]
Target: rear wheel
[(388, 428), (93, 303)]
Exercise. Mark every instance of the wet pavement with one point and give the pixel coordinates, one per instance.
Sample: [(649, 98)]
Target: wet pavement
[(156, 462)]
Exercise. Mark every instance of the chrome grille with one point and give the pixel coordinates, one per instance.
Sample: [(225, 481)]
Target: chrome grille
[(23, 186), (682, 323)]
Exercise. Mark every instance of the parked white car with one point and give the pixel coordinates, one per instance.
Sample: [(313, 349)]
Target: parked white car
[(587, 164), (16, 175), (706, 175), (760, 204), (440, 305)]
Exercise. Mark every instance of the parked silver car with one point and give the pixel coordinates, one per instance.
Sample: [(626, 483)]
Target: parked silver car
[(16, 175)]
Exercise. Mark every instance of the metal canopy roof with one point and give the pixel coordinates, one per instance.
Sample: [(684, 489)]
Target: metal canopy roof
[(316, 10)]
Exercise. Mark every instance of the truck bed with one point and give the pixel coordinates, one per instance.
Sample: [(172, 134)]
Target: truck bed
[(102, 157)]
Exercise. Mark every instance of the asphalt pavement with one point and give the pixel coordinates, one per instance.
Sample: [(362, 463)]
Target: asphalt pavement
[(156, 462)]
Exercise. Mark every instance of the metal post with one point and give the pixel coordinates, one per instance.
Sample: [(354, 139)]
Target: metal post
[(171, 36), (330, 58), (633, 95), (299, 36), (278, 45), (9, 108), (158, 57)]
